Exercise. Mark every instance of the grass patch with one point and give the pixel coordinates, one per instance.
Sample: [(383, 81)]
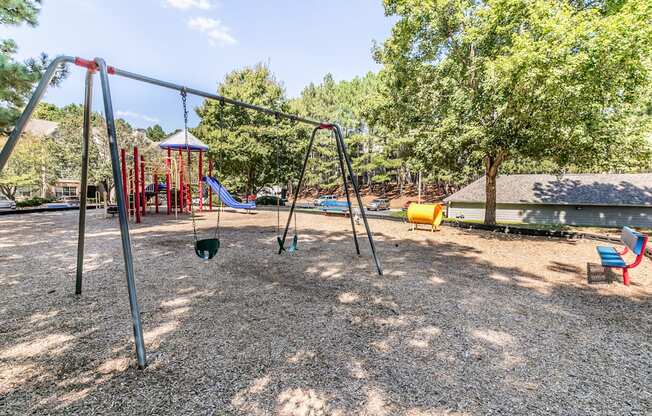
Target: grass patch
[(549, 227)]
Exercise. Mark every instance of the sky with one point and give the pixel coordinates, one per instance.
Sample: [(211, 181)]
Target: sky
[(197, 42)]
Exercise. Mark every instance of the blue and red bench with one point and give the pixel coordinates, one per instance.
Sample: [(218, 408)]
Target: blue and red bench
[(612, 258), (334, 207)]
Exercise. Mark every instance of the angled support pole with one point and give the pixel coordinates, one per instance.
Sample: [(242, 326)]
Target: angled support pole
[(122, 213), (88, 102), (340, 155), (296, 190), (354, 182)]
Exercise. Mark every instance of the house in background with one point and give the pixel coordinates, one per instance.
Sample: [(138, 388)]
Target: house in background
[(605, 200)]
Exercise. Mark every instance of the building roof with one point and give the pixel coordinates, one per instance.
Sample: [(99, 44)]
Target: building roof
[(41, 128), (580, 189), (178, 141)]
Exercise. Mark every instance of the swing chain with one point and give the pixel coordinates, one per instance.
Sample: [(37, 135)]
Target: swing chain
[(217, 232), (184, 99)]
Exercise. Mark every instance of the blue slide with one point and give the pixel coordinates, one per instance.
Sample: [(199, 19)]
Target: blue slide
[(225, 196)]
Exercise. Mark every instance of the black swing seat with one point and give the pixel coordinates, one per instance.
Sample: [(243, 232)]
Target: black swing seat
[(207, 249)]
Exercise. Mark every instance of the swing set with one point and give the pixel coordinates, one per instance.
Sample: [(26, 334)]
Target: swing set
[(203, 247)]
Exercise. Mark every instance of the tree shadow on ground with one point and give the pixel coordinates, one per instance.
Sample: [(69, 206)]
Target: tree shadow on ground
[(445, 330)]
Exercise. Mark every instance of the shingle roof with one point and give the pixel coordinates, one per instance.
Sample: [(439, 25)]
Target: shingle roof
[(41, 128), (581, 189), (178, 141)]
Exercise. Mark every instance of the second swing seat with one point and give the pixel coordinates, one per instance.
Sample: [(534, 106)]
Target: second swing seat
[(207, 248)]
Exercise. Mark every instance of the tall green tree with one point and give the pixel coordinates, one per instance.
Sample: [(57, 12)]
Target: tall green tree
[(244, 143), (353, 104), (480, 83), (155, 133), (18, 78), (319, 102)]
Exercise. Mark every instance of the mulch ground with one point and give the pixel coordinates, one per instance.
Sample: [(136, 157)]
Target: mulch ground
[(463, 322)]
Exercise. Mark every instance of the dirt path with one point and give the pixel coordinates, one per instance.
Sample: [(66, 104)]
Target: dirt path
[(463, 322)]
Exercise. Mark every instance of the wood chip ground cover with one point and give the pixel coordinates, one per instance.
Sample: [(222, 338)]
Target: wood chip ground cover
[(462, 323)]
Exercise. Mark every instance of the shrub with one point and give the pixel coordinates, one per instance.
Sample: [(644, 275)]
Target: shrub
[(34, 201), (269, 200)]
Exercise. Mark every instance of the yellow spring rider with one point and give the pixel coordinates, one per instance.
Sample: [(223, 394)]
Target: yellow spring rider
[(429, 214)]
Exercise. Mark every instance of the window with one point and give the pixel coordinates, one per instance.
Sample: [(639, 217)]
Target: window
[(66, 191), (25, 193)]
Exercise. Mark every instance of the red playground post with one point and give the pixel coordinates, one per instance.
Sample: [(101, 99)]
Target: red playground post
[(168, 191), (210, 190), (123, 168), (136, 185), (182, 199), (199, 184), (130, 193), (143, 185), (156, 193), (189, 183)]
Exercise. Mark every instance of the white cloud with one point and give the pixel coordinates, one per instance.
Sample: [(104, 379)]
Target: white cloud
[(133, 115), (188, 4), (217, 33)]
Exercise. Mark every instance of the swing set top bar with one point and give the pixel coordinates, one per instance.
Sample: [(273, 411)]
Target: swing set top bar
[(92, 66)]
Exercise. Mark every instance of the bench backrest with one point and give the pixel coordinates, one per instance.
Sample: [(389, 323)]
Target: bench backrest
[(635, 241)]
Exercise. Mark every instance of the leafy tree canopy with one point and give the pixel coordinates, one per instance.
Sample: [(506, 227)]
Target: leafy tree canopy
[(480, 83), (18, 78), (155, 133), (244, 143)]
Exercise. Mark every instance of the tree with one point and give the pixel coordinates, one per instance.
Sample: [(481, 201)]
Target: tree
[(18, 78), (354, 106), (155, 133), (67, 145), (48, 111), (319, 102), (243, 142), (30, 165), (482, 83)]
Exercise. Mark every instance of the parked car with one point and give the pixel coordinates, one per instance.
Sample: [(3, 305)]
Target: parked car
[(6, 204), (320, 200), (378, 204)]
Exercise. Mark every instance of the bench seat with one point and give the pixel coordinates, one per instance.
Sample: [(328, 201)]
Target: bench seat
[(610, 257)]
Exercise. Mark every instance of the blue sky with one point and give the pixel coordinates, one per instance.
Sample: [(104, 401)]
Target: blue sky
[(196, 42)]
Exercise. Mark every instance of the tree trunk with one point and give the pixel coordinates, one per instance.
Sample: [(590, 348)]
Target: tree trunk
[(492, 166), (490, 203)]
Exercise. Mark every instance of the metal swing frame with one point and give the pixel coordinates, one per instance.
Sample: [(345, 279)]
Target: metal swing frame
[(99, 65)]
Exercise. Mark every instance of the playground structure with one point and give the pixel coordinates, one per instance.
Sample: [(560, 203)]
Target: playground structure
[(99, 65), (429, 214), (141, 186)]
